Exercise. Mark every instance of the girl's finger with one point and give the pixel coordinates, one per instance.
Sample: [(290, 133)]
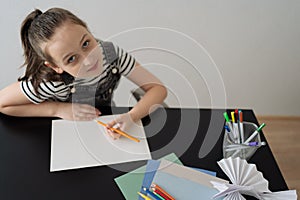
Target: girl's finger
[(113, 134), (111, 124)]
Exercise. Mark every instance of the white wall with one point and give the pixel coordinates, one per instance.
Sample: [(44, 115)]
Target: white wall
[(209, 53)]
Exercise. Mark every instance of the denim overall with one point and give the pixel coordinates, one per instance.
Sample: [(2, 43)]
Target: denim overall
[(97, 95)]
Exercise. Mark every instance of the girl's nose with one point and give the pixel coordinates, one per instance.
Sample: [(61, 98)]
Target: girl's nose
[(87, 61)]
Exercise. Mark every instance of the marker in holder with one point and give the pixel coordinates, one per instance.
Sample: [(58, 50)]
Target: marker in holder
[(234, 148)]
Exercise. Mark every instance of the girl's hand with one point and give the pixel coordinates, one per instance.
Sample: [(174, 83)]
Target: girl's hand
[(122, 122), (77, 112)]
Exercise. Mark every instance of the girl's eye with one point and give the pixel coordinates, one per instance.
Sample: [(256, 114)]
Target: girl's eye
[(85, 44), (71, 59)]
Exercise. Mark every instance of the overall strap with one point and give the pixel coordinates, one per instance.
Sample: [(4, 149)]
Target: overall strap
[(109, 51)]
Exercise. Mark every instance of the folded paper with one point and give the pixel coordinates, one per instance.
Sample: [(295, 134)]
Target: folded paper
[(246, 179)]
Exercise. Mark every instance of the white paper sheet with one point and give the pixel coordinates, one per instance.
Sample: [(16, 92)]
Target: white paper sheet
[(85, 144)]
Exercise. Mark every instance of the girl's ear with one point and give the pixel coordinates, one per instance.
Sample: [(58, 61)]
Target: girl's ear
[(54, 67)]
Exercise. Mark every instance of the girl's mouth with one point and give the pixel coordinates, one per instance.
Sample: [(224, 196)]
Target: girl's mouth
[(94, 67)]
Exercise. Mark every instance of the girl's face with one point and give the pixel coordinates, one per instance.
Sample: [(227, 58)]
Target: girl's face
[(74, 50)]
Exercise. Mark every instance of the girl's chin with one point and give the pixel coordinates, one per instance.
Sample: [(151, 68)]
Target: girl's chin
[(90, 74)]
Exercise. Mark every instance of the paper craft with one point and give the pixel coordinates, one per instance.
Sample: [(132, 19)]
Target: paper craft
[(246, 179), (180, 181), (85, 144)]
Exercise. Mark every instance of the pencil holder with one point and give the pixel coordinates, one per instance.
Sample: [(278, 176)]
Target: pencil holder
[(235, 142)]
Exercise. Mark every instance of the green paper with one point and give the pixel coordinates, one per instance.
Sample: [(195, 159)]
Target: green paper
[(130, 183)]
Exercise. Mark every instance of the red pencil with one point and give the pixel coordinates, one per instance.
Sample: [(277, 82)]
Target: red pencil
[(156, 191), (156, 188)]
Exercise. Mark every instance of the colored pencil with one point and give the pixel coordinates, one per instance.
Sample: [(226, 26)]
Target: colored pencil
[(154, 185), (119, 131), (144, 196), (155, 190), (152, 194)]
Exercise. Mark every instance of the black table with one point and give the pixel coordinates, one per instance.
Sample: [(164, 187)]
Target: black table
[(25, 155)]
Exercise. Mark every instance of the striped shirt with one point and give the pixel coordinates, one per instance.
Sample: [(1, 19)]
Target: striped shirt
[(59, 91)]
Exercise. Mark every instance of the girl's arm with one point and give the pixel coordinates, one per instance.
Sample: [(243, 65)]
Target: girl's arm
[(14, 102), (154, 96)]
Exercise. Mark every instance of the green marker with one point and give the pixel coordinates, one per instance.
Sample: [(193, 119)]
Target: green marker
[(261, 126), (228, 120), (255, 133), (226, 117)]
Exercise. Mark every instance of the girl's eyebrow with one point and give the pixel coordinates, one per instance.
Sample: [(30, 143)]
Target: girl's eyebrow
[(69, 54), (82, 38)]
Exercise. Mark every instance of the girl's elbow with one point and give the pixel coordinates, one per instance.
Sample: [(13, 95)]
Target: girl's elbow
[(164, 92), (2, 106)]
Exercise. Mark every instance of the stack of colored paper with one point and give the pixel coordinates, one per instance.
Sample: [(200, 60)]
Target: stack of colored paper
[(179, 181)]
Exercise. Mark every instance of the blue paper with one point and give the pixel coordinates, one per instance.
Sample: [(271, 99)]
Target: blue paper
[(183, 189), (151, 168)]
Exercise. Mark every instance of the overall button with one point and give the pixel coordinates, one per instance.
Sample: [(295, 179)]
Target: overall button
[(73, 90), (114, 70), (110, 90)]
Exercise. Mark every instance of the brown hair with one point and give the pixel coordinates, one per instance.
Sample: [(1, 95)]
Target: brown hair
[(39, 27)]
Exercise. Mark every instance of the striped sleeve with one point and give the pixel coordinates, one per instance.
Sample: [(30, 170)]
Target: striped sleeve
[(56, 91), (126, 62)]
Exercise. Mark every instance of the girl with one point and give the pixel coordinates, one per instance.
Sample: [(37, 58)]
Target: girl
[(69, 73)]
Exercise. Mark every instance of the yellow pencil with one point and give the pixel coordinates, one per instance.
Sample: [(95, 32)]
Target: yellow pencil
[(144, 196), (119, 131)]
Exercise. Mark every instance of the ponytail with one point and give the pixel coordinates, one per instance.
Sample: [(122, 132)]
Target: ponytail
[(29, 52), (32, 60)]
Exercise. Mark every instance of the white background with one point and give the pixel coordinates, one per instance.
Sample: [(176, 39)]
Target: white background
[(209, 53)]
